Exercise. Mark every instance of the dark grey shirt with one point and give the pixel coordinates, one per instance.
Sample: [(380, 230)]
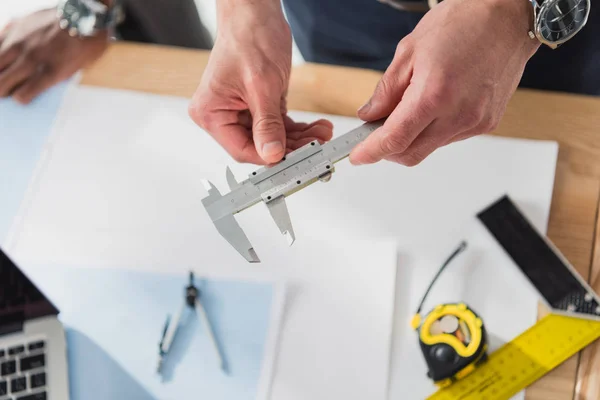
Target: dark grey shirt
[(365, 33), (166, 22)]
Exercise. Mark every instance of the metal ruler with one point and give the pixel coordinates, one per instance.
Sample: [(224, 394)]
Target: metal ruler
[(271, 185), (572, 324)]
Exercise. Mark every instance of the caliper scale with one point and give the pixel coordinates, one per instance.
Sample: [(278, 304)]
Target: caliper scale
[(271, 185)]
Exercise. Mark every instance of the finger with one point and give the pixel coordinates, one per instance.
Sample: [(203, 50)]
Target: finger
[(268, 129), (283, 104), (8, 56), (390, 89), (435, 136), (245, 119), (460, 137), (487, 126), (292, 126), (237, 141), (322, 124), (4, 32), (398, 132), (14, 76), (294, 129), (296, 144), (35, 86), (322, 131), (223, 125)]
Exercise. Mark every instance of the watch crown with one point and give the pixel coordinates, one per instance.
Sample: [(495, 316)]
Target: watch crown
[(531, 34)]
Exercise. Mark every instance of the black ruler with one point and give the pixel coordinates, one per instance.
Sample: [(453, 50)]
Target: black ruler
[(559, 284)]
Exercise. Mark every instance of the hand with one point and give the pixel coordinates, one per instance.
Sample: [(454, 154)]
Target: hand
[(36, 54), (450, 79), (241, 99)]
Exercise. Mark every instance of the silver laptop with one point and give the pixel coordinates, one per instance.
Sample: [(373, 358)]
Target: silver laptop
[(33, 350)]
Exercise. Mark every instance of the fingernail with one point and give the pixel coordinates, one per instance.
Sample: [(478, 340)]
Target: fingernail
[(366, 107), (272, 148)]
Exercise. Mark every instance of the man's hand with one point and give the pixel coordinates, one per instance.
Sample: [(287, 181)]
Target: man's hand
[(241, 99), (36, 54), (450, 79)]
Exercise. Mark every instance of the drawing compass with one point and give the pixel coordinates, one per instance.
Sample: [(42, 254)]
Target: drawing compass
[(271, 185), (192, 300)]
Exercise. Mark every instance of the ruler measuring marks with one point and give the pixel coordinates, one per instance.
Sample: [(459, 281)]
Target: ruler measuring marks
[(573, 322), (522, 361)]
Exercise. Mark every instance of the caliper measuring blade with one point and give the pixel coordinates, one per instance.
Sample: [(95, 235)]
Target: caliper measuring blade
[(229, 228), (281, 216), (231, 181)]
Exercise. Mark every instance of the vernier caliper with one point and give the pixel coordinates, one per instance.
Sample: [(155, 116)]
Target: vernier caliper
[(273, 184)]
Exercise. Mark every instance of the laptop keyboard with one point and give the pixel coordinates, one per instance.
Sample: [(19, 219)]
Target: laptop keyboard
[(23, 372)]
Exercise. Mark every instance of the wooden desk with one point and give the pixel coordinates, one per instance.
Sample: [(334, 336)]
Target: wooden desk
[(573, 121)]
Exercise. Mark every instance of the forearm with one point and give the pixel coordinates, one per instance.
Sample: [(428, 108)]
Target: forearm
[(261, 9)]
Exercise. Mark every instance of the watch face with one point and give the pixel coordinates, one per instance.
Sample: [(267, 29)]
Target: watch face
[(80, 17), (559, 20)]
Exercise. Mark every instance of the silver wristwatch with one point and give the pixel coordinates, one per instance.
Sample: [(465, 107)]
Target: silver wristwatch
[(558, 21), (88, 18)]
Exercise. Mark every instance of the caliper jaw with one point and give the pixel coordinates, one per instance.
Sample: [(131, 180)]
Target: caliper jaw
[(281, 216), (228, 227)]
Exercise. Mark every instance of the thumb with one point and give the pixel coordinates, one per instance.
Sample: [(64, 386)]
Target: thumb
[(268, 130)]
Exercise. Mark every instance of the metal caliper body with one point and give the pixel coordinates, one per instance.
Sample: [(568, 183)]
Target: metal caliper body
[(272, 184)]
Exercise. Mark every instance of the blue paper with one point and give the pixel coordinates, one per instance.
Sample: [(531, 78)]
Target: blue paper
[(114, 321), (23, 133)]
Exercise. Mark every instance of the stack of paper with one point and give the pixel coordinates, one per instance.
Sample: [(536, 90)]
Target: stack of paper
[(290, 340), (127, 191)]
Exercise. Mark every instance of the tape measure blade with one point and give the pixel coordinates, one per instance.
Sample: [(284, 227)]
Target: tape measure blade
[(522, 361)]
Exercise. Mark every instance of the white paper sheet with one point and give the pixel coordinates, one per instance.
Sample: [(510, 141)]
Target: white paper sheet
[(337, 322), (122, 186)]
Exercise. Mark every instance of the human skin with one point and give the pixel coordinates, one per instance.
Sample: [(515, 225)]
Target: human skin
[(450, 79), (241, 99), (35, 54)]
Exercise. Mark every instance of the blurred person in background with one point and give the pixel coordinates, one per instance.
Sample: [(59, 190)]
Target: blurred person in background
[(36, 52)]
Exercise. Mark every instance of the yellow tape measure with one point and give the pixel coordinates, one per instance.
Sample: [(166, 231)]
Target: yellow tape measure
[(524, 360), (572, 324)]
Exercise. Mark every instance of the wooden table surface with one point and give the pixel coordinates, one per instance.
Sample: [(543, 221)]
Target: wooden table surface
[(573, 121)]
